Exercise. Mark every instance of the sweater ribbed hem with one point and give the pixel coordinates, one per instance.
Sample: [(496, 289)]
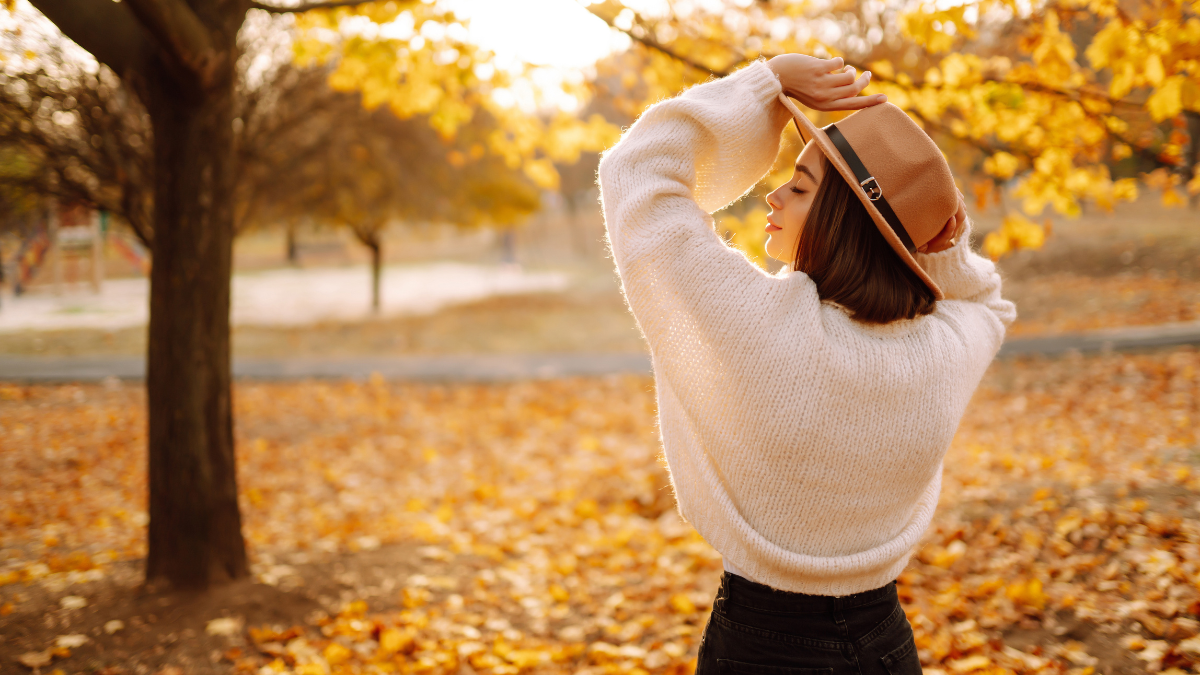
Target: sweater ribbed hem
[(760, 80)]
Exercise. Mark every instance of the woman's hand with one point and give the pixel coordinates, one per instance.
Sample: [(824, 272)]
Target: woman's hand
[(822, 84), (951, 232)]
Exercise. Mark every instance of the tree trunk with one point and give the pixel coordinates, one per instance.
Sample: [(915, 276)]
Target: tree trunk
[(376, 247), (195, 536), (293, 256)]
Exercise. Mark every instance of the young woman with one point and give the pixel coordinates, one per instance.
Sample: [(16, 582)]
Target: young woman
[(804, 415)]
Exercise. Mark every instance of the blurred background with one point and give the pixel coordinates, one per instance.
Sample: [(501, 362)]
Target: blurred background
[(385, 215), (422, 179)]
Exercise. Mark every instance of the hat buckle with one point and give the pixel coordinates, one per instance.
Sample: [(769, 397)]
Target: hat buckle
[(874, 192)]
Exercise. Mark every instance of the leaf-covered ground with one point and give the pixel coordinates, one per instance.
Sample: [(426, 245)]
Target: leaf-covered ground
[(539, 532)]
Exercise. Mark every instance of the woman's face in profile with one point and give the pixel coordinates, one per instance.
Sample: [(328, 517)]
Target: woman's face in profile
[(790, 203)]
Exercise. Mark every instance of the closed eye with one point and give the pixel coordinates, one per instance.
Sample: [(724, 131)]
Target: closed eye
[(798, 191)]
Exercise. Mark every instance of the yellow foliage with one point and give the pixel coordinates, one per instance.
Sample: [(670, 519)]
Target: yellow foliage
[(1016, 232), (1054, 53), (748, 234), (1173, 96), (434, 75), (935, 29), (1001, 165)]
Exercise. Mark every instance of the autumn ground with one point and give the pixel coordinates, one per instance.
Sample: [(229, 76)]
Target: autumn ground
[(528, 527)]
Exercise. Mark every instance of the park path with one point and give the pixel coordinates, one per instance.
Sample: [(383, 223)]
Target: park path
[(291, 296), (503, 367)]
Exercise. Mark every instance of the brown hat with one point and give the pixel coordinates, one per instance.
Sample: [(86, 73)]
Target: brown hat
[(902, 178)]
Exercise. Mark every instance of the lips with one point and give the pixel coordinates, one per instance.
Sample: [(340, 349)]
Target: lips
[(771, 226)]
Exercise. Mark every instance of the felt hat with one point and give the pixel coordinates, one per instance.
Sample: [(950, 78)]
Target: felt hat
[(897, 171)]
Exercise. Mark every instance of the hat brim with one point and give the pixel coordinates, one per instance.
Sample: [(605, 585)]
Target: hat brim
[(803, 124)]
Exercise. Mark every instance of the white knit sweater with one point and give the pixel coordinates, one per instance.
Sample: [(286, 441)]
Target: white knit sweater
[(804, 446)]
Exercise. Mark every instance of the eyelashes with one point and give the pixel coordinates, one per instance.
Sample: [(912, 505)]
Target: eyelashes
[(798, 191)]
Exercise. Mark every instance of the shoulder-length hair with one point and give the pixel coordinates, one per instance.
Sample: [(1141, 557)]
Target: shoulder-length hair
[(843, 252)]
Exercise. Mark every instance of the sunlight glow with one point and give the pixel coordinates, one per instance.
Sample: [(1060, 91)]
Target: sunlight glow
[(557, 33)]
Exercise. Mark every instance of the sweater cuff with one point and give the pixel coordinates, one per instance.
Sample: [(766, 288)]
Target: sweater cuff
[(951, 269), (760, 80)]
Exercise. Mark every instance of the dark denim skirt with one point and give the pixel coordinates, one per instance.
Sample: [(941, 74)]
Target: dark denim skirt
[(757, 629)]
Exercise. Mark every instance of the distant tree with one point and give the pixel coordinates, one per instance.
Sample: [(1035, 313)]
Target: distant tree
[(77, 136)]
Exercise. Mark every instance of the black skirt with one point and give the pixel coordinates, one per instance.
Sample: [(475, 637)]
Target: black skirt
[(757, 629)]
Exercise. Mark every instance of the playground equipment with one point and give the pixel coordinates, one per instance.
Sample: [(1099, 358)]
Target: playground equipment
[(72, 233), (30, 257)]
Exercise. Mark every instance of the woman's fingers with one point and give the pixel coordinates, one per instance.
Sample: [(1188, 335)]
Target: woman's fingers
[(853, 88), (854, 103), (840, 79)]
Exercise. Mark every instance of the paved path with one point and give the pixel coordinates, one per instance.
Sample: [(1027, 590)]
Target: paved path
[(502, 367), (289, 296), (1116, 339), (466, 367)]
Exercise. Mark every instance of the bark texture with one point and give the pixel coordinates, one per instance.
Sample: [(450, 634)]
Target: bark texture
[(195, 537)]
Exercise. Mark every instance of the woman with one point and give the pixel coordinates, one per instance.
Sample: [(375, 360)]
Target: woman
[(804, 415)]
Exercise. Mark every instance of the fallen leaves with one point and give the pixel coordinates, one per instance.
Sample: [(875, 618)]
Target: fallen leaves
[(1069, 303), (1068, 510)]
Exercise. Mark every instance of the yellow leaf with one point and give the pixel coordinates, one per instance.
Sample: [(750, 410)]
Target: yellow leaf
[(969, 664), (1001, 165), (527, 658), (1016, 231), (394, 640), (587, 508), (1171, 199), (542, 173), (336, 654), (1154, 70), (1067, 524), (1167, 100), (682, 604)]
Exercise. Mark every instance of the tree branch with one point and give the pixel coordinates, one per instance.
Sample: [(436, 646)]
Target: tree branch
[(934, 125), (308, 6), (181, 34), (660, 47), (106, 29)]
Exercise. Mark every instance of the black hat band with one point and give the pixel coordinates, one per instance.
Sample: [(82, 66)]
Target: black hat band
[(869, 186)]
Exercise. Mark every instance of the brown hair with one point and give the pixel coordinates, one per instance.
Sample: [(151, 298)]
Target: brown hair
[(842, 251)]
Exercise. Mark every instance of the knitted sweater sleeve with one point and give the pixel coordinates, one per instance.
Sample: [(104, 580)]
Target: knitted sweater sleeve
[(971, 280), (683, 159)]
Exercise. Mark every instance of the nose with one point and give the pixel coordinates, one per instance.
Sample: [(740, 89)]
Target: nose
[(773, 200)]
